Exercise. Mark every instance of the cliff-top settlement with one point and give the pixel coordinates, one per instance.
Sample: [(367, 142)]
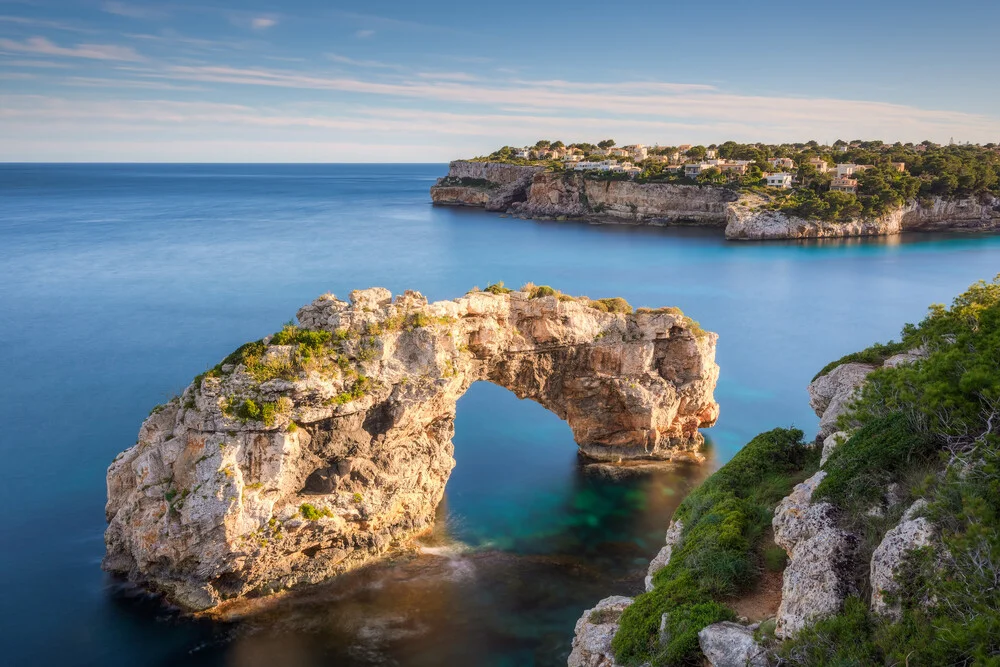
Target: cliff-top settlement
[(755, 191), (328, 444)]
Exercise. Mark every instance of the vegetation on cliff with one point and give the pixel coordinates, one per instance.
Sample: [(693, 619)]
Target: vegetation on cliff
[(718, 556), (930, 428)]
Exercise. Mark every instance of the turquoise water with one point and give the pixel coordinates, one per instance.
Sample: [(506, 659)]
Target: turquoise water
[(122, 282)]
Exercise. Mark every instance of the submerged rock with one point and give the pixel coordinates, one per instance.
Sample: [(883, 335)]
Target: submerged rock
[(314, 451), (594, 632), (728, 644)]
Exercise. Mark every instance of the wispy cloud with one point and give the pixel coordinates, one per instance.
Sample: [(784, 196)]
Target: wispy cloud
[(133, 11), (262, 23), (354, 62), (364, 34), (42, 23), (42, 46)]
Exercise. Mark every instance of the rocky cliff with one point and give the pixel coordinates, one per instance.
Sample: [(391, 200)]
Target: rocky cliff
[(313, 451), (555, 194), (490, 185), (534, 192), (750, 220)]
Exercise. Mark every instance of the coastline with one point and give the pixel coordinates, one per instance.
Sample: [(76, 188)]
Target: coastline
[(531, 192)]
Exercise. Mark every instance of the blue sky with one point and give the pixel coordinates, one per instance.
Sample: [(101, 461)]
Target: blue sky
[(304, 80)]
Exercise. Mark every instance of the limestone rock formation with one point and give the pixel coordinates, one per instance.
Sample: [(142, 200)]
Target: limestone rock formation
[(311, 452), (594, 632), (728, 644), (817, 578), (554, 194), (673, 538), (831, 442), (751, 219), (490, 185), (830, 395), (910, 534)]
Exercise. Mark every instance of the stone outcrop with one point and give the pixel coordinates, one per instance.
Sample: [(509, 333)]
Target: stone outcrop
[(818, 577), (555, 194), (673, 538), (831, 442), (729, 644), (594, 632), (830, 395), (309, 453), (910, 534), (490, 185), (751, 220)]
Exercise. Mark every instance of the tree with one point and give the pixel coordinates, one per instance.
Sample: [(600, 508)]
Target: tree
[(696, 152), (607, 143), (543, 143), (557, 144)]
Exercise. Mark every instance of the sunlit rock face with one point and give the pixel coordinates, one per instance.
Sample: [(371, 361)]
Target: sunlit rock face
[(311, 452)]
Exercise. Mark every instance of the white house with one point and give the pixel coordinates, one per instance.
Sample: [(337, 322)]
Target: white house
[(780, 180), (846, 169), (782, 162), (843, 184), (523, 153), (711, 153), (820, 164), (694, 169)]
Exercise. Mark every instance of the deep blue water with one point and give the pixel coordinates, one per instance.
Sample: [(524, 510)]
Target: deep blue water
[(121, 282)]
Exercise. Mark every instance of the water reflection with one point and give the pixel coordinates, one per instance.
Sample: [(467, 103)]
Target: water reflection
[(455, 603)]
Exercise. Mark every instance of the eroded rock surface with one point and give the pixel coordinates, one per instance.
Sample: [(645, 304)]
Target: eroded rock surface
[(910, 534), (292, 462), (818, 577), (673, 538), (490, 185), (729, 644), (831, 395), (594, 632)]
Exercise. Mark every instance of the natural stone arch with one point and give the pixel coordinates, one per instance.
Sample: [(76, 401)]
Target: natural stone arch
[(308, 453)]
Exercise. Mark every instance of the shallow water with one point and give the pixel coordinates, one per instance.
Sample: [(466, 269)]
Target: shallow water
[(121, 282)]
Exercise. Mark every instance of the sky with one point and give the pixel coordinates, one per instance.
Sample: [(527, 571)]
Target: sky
[(385, 81)]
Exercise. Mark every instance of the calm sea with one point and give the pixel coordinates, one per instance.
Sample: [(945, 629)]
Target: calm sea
[(121, 282)]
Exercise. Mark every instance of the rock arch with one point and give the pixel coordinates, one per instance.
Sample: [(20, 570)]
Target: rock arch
[(311, 452)]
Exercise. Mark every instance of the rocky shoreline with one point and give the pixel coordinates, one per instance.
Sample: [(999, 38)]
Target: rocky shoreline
[(533, 193)]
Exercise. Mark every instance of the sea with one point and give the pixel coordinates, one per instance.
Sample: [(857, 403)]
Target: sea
[(120, 282)]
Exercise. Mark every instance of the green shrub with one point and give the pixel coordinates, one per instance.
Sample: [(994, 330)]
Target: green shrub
[(775, 558), (311, 512), (497, 288), (876, 455), (874, 355), (612, 305), (723, 520), (542, 290), (844, 640)]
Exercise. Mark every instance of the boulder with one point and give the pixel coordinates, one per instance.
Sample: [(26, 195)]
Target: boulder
[(910, 534), (729, 644), (594, 632), (818, 576), (830, 395)]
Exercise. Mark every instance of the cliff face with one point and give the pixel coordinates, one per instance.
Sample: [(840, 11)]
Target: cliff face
[(533, 192), (311, 452), (570, 194), (490, 185), (746, 220)]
